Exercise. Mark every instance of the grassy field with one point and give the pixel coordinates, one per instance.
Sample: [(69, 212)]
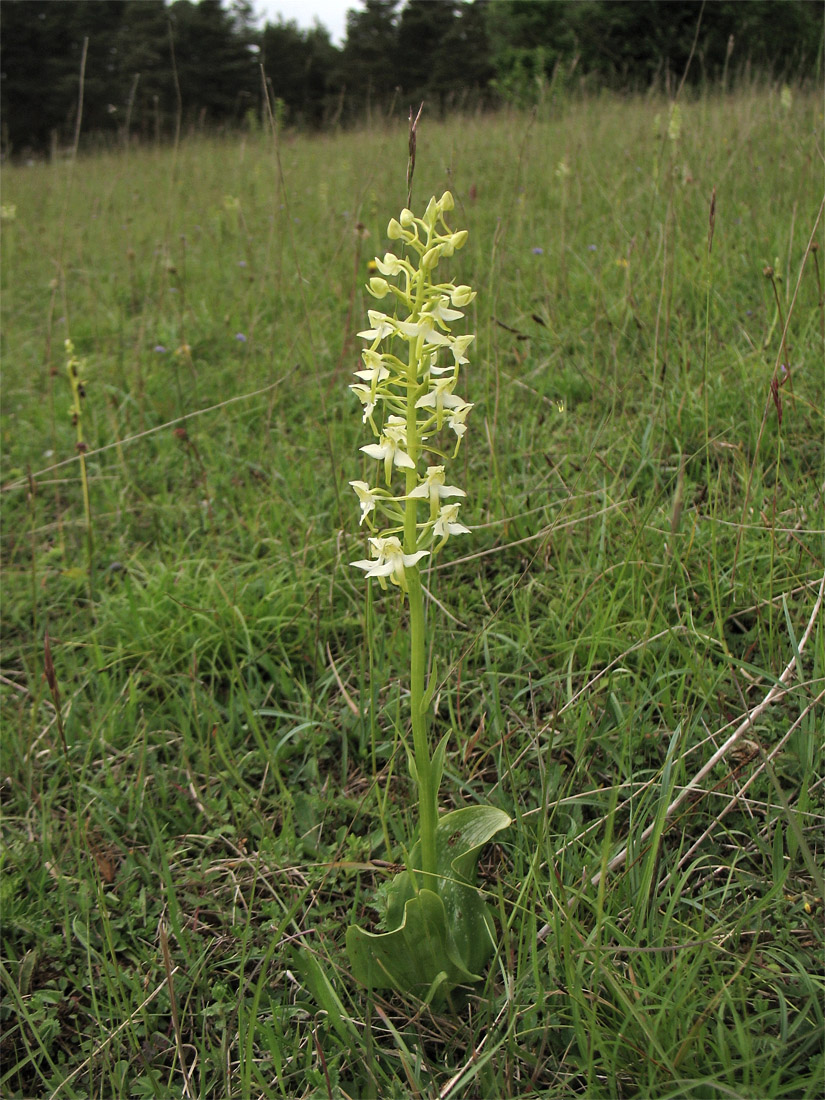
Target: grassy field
[(203, 776)]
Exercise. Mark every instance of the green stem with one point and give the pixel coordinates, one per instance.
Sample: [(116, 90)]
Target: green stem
[(427, 794)]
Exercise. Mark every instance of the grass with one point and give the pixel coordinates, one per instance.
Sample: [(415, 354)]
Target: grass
[(208, 787)]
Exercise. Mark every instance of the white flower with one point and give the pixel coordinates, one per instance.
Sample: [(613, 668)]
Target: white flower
[(432, 256), (367, 399), (454, 241), (389, 561), (456, 420), (381, 326), (407, 397), (441, 312), (433, 369), (390, 265), (390, 447), (462, 295), (378, 288), (440, 397), (447, 523), (433, 488), (431, 213), (366, 497), (424, 326), (458, 345), (374, 370)]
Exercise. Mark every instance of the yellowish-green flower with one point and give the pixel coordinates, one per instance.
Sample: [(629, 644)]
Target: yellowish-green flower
[(434, 490), (456, 418), (367, 398), (366, 496), (390, 449), (447, 523), (406, 386), (381, 326), (439, 398), (389, 561)]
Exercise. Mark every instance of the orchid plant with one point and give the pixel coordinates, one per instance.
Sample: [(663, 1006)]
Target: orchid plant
[(439, 932)]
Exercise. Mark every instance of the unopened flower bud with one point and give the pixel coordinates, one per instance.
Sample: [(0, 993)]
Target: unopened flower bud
[(407, 217), (461, 295), (379, 288), (446, 202), (432, 256), (394, 230)]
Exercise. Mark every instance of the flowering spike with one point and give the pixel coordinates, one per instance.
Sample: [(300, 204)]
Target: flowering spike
[(410, 370)]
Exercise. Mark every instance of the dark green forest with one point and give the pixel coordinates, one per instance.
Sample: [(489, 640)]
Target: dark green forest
[(152, 67)]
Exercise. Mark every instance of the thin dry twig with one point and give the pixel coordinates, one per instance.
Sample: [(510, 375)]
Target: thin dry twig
[(775, 692), (693, 786), (23, 481), (738, 798), (110, 1038), (347, 697), (545, 532)]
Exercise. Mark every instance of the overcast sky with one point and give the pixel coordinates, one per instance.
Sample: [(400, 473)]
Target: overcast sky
[(331, 13)]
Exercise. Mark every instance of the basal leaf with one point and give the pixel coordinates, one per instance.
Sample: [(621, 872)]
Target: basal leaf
[(440, 926)]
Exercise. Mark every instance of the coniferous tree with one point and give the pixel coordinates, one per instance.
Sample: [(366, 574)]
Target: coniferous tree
[(146, 100), (299, 66), (216, 69), (529, 38), (369, 60), (42, 48), (434, 50), (423, 30), (464, 63)]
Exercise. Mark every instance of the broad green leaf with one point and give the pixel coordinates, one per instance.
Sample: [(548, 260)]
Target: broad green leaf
[(412, 957), (441, 933)]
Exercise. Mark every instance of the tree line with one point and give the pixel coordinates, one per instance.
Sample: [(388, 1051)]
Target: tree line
[(150, 66)]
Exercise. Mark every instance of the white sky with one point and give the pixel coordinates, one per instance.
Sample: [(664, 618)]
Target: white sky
[(331, 13)]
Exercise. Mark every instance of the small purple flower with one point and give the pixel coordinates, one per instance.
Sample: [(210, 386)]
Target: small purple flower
[(160, 349), (240, 337), (537, 251), (592, 247), (241, 263)]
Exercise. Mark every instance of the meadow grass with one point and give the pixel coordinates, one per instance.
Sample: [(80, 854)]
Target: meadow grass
[(207, 784)]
